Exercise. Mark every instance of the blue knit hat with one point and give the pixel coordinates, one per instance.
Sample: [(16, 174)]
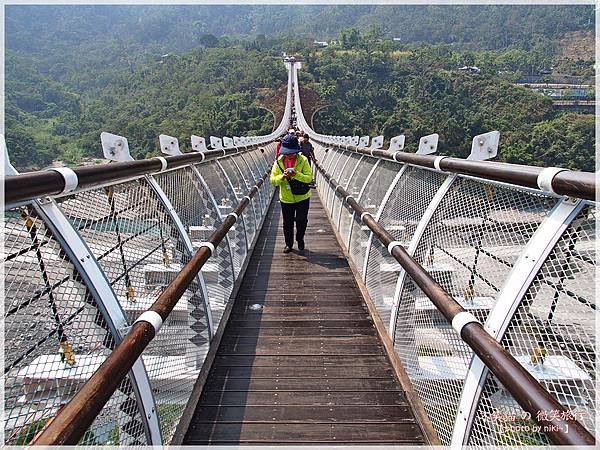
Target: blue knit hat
[(289, 145)]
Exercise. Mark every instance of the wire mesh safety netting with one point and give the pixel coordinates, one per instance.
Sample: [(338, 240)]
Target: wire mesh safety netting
[(55, 338), (469, 246), (354, 188), (336, 172), (226, 199), (255, 172), (400, 216), (371, 198), (140, 251), (552, 334), (200, 218), (343, 179), (329, 161), (234, 175)]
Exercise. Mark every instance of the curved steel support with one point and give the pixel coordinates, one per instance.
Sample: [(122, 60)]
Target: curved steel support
[(346, 187), (243, 221), (216, 206), (386, 197), (187, 244), (530, 261), (94, 278), (414, 243), (362, 190)]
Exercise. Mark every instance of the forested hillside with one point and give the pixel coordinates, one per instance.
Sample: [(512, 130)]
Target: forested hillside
[(74, 71), (420, 91), (204, 92)]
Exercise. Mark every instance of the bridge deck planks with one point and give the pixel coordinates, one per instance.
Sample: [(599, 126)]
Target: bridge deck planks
[(309, 367)]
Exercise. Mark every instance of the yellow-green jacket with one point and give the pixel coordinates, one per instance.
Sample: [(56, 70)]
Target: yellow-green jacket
[(303, 174)]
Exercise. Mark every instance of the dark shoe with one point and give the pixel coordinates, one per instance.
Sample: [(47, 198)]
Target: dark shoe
[(301, 246), (287, 249)]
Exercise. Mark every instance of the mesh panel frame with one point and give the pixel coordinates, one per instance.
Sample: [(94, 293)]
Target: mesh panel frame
[(200, 218), (44, 292), (400, 216), (370, 199), (140, 251), (226, 200), (344, 181), (337, 170), (469, 246), (240, 188), (354, 188), (558, 312)]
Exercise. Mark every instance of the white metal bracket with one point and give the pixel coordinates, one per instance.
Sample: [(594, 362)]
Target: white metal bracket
[(227, 142), (216, 143), (169, 145), (397, 143), (428, 144), (377, 142), (363, 141), (8, 167), (115, 147), (198, 144), (544, 179), (70, 178), (484, 146)]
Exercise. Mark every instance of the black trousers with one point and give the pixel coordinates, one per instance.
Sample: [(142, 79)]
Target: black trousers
[(294, 212)]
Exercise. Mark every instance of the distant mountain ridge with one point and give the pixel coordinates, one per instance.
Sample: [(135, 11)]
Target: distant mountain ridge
[(37, 29)]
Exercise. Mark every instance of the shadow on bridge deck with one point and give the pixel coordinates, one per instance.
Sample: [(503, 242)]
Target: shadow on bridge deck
[(308, 367)]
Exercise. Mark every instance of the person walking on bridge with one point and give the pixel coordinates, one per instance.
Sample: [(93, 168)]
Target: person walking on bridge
[(307, 148), (290, 131), (292, 173)]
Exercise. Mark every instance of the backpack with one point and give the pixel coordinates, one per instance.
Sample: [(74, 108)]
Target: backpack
[(297, 187)]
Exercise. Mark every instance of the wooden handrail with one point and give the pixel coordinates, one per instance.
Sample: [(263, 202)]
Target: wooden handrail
[(566, 182), (30, 185)]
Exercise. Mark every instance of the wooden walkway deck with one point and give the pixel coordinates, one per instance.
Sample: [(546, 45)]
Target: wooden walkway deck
[(308, 367)]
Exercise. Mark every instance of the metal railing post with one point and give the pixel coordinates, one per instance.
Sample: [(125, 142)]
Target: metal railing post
[(187, 245), (346, 187), (243, 220)]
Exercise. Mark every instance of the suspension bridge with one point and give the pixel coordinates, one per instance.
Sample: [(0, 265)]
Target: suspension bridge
[(441, 300)]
